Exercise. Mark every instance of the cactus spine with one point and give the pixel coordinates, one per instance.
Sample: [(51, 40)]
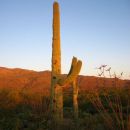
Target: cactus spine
[(57, 81)]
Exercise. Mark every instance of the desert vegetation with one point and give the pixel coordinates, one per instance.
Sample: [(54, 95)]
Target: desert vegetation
[(99, 109)]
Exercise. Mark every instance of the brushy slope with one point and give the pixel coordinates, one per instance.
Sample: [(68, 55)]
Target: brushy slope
[(104, 104)]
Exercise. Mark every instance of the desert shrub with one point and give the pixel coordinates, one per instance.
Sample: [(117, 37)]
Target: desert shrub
[(99, 109), (111, 103), (9, 98)]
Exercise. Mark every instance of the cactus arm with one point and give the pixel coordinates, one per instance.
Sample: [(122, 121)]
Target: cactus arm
[(72, 76), (75, 99), (74, 61), (74, 71)]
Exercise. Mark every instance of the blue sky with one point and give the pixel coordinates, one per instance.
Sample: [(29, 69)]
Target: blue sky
[(95, 31)]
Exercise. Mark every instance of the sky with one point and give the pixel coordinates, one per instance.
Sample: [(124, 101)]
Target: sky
[(95, 31)]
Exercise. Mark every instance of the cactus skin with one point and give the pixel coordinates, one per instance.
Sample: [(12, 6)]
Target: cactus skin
[(57, 81), (75, 100), (56, 63)]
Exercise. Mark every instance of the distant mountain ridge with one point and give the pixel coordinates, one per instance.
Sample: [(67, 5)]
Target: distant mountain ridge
[(20, 78)]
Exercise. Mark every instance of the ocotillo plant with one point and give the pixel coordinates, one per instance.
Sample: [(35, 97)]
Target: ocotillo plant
[(103, 68), (109, 70), (57, 81)]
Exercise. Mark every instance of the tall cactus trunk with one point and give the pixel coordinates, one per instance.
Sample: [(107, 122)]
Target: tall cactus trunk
[(58, 104), (75, 99), (56, 90)]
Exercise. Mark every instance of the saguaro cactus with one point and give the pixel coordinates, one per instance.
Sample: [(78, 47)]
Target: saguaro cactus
[(57, 81)]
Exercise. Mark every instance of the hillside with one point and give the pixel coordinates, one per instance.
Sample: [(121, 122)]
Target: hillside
[(21, 78)]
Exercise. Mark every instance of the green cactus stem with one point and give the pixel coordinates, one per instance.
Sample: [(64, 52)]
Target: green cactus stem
[(75, 100), (56, 90)]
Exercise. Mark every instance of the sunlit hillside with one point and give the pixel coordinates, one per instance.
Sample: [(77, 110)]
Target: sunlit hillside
[(40, 81)]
